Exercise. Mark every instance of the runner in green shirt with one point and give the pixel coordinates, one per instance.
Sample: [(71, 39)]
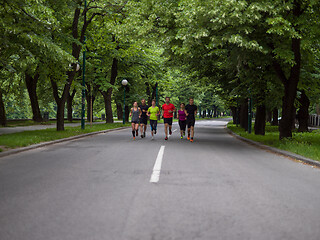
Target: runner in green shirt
[(153, 113)]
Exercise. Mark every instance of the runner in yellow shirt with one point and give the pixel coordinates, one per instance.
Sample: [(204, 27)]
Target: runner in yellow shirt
[(153, 113)]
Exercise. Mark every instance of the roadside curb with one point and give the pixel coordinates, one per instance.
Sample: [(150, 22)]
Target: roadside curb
[(39, 145), (284, 153)]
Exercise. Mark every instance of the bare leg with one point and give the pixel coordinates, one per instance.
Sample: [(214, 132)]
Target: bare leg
[(166, 129), (192, 131), (141, 129)]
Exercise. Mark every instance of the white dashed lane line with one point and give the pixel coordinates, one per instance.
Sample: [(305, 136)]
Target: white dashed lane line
[(157, 166)]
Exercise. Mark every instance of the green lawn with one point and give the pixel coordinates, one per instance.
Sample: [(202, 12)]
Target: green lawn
[(27, 138), (24, 123), (305, 144)]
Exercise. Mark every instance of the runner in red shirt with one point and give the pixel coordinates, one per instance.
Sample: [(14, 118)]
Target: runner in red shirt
[(168, 110)]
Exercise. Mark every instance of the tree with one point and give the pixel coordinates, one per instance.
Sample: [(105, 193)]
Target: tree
[(275, 30)]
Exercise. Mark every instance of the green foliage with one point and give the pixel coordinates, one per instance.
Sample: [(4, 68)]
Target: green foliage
[(216, 51)]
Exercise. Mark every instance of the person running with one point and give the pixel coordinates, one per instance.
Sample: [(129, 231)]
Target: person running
[(191, 112), (182, 119), (143, 118), (135, 114), (168, 109), (153, 113)]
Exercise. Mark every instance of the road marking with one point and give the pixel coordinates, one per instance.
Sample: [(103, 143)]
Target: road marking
[(157, 166), (172, 132)]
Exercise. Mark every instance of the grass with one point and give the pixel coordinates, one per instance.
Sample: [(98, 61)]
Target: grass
[(25, 123), (305, 144), (23, 139)]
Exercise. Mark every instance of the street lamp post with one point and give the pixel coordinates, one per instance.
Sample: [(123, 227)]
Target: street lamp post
[(124, 82), (200, 109)]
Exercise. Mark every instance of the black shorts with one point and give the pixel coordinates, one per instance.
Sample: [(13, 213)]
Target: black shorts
[(144, 121), (182, 125), (153, 124), (135, 122), (168, 121), (191, 122)]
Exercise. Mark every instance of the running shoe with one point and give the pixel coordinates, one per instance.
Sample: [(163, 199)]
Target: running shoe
[(170, 132), (166, 138), (134, 138), (188, 137), (191, 140), (181, 137), (184, 133), (155, 131), (152, 138), (141, 136), (144, 134), (137, 133)]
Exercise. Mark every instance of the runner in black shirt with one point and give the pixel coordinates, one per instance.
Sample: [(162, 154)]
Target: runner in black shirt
[(143, 118), (191, 110)]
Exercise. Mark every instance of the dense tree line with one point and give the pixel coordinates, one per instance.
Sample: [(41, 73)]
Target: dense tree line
[(222, 52), (267, 50)]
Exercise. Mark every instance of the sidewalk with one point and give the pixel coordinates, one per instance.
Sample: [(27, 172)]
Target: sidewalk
[(8, 130)]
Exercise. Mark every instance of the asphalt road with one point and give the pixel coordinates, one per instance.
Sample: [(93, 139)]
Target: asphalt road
[(98, 188)]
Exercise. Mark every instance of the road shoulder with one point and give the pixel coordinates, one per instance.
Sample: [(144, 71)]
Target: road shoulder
[(290, 155)]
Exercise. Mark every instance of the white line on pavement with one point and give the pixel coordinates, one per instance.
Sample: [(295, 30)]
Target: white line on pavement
[(172, 132), (157, 166)]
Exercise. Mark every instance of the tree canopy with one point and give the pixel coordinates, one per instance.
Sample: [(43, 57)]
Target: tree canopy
[(219, 52)]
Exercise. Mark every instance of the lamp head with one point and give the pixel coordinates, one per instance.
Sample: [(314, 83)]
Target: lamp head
[(124, 82)]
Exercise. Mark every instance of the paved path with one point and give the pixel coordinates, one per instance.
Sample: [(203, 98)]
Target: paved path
[(99, 188), (8, 130)]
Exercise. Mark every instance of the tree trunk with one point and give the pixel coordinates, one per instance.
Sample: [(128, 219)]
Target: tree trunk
[(269, 116), (107, 95), (275, 116), (303, 113), (216, 115), (60, 116), (119, 111), (154, 93), (31, 83), (234, 115), (244, 115), (60, 101), (70, 98), (294, 114), (3, 118), (291, 83), (149, 94), (109, 115), (90, 103), (260, 121)]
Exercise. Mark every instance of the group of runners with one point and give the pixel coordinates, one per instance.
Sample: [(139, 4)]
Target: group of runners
[(186, 116)]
